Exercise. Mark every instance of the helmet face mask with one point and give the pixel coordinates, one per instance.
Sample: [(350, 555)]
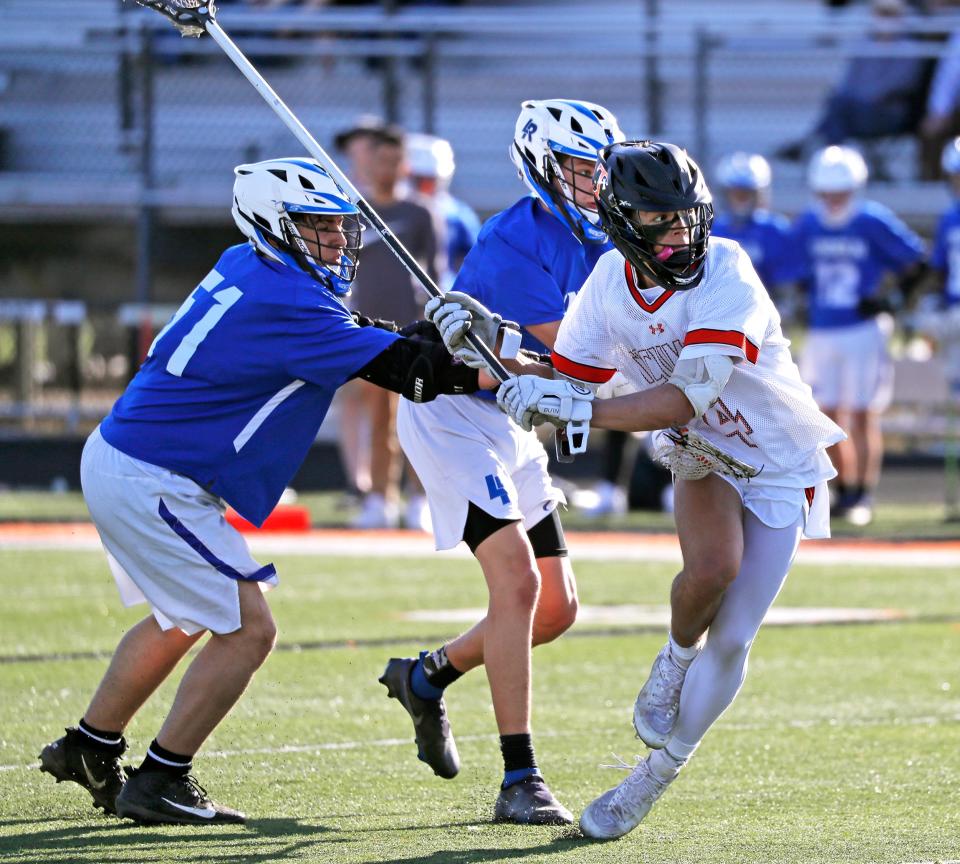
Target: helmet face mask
[(291, 211), (657, 209), (307, 238), (547, 133)]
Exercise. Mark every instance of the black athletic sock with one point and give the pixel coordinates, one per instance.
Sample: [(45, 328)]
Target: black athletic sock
[(161, 759), (519, 760), (438, 670), (97, 739)]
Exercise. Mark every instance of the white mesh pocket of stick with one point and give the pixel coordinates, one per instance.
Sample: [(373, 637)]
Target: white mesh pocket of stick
[(690, 456)]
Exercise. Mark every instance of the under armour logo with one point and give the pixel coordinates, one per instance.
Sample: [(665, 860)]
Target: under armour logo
[(528, 130), (656, 328)]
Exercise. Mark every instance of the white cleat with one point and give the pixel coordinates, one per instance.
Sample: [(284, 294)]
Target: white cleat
[(619, 810), (658, 703), (375, 513), (416, 516)]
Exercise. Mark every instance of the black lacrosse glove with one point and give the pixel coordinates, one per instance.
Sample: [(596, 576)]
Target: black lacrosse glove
[(421, 330), (870, 307), (363, 321)]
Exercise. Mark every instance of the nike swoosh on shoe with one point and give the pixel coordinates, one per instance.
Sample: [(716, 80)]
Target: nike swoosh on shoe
[(203, 812), (90, 777)]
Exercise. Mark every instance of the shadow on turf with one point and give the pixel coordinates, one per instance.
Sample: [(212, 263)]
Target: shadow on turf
[(114, 841), (477, 856)]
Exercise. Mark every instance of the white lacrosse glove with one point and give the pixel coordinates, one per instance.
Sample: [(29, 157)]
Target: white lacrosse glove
[(455, 313), (531, 400)]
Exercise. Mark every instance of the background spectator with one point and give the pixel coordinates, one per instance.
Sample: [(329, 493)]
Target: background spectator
[(386, 290), (878, 95), (431, 167)]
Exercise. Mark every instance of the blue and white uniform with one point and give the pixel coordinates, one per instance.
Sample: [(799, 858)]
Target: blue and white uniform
[(463, 228), (527, 265), (945, 256), (845, 359), (224, 409), (764, 236)]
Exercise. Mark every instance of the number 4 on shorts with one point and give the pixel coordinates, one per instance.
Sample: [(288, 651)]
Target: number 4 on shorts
[(496, 489)]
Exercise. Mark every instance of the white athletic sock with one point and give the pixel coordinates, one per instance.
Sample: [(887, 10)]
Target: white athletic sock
[(683, 657), (679, 751), (664, 765)]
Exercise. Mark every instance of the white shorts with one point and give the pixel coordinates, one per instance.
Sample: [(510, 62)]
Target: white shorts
[(780, 506), (850, 367), (167, 541), (466, 449)]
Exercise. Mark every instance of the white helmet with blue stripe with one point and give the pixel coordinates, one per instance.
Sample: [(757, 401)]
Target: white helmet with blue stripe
[(276, 204), (549, 128), (742, 170), (950, 158)]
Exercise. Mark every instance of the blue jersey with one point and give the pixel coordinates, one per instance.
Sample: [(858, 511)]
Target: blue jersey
[(764, 236), (236, 385), (463, 227), (843, 265), (946, 254), (527, 265)]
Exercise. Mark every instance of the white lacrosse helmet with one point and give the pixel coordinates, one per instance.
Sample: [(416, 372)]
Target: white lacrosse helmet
[(548, 127), (429, 156), (837, 169), (950, 158), (742, 170), (270, 200)]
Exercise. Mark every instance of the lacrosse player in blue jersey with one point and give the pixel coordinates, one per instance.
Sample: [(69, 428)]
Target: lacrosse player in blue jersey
[(744, 180), (486, 478), (945, 256), (223, 410), (844, 248)]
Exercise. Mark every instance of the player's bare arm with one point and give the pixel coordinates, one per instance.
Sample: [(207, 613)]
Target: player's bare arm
[(657, 408)]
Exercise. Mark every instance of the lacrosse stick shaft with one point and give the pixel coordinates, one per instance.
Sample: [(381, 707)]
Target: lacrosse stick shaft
[(301, 133)]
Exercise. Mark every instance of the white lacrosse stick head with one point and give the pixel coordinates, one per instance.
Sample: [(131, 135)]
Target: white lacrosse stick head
[(690, 456)]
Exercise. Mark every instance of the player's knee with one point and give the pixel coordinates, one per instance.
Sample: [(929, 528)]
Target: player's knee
[(259, 637), (554, 619), (521, 589), (713, 575)]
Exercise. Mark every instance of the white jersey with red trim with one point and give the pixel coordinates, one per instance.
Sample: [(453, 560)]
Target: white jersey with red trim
[(765, 415)]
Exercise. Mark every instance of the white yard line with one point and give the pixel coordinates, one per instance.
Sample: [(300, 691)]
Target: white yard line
[(591, 547), (659, 616)]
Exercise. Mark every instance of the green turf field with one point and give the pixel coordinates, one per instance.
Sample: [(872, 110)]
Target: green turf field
[(843, 746)]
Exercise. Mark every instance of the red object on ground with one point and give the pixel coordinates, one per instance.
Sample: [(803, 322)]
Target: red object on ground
[(287, 518)]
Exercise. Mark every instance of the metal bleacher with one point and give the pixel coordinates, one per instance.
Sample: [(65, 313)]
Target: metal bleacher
[(71, 117)]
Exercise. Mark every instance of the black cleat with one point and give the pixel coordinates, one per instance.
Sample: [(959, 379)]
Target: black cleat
[(171, 799), (530, 802), (99, 772), (435, 744)]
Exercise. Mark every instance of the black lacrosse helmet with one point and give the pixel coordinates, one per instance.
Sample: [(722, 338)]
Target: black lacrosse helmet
[(661, 178)]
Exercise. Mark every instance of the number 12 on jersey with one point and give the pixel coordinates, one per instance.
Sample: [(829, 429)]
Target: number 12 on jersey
[(225, 298)]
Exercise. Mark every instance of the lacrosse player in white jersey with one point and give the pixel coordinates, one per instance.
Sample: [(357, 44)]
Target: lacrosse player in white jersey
[(486, 478), (688, 323)]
